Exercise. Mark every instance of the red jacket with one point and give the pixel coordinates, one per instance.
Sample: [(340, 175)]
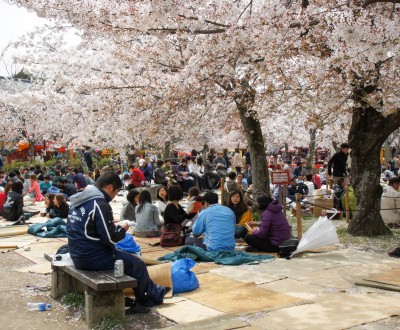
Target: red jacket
[(2, 200), (137, 177)]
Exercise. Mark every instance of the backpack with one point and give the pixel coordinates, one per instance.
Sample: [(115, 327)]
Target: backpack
[(286, 248), (172, 235)]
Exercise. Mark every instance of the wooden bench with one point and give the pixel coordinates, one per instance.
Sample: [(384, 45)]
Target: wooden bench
[(104, 295)]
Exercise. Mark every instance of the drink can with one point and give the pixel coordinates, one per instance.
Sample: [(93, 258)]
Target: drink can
[(119, 268)]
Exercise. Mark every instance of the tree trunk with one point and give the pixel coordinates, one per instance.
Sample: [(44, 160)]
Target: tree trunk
[(311, 150), (368, 131), (252, 128), (167, 153)]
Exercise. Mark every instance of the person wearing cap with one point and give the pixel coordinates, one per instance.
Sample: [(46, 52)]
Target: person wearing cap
[(339, 161), (390, 203), (146, 169)]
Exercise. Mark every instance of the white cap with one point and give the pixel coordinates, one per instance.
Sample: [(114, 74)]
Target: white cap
[(141, 161)]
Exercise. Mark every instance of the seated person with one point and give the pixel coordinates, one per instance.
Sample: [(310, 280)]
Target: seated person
[(13, 208), (49, 203), (390, 203), (92, 236), (161, 202), (186, 180), (274, 228), (148, 222), (241, 182), (296, 186), (211, 174), (310, 185), (230, 185), (242, 212), (218, 223), (160, 176), (67, 188), (79, 179), (174, 212), (45, 185), (128, 207), (61, 207), (195, 205), (146, 169), (34, 191), (220, 164), (137, 177)]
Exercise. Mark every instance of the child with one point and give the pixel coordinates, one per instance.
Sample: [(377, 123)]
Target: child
[(45, 185)]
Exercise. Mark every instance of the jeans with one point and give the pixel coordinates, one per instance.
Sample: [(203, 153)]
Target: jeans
[(240, 231)]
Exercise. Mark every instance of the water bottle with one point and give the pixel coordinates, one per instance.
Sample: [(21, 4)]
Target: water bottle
[(39, 306)]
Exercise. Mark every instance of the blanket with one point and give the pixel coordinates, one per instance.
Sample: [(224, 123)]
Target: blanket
[(219, 257), (54, 228)]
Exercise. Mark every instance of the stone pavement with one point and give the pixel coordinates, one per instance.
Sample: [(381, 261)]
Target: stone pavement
[(310, 291)]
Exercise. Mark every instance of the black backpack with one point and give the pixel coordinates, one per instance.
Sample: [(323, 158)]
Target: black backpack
[(288, 247)]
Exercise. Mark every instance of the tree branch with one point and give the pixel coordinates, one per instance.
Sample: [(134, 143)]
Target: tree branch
[(366, 3)]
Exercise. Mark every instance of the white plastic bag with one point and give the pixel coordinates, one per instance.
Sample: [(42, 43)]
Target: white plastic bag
[(321, 233)]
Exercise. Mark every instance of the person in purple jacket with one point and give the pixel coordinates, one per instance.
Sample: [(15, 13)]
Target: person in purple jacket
[(274, 228)]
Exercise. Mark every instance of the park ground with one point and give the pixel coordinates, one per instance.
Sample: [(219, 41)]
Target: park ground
[(314, 290)]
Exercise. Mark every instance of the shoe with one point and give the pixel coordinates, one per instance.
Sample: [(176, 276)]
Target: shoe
[(137, 309), (129, 302), (20, 221), (251, 249), (35, 213)]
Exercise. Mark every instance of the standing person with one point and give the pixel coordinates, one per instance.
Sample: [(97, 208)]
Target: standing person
[(339, 161), (242, 212), (218, 223), (274, 228), (237, 161), (390, 203), (92, 235), (87, 155)]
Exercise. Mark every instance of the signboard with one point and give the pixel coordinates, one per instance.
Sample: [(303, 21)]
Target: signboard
[(280, 177)]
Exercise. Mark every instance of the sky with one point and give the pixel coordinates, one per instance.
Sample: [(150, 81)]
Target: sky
[(14, 22)]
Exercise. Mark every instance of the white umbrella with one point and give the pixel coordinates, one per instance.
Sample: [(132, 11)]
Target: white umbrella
[(321, 233)]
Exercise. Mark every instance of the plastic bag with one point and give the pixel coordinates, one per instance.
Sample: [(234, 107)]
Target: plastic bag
[(321, 233), (183, 279)]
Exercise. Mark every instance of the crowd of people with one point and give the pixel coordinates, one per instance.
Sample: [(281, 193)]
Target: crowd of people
[(206, 222)]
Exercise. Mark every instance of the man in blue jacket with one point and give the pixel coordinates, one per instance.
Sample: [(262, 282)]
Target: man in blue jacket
[(92, 236), (218, 222)]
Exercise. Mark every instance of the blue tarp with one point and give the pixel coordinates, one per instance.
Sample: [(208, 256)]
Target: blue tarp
[(219, 257)]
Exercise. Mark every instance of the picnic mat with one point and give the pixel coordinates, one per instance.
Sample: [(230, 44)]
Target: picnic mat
[(234, 297), (42, 268), (13, 230), (37, 251), (389, 277)]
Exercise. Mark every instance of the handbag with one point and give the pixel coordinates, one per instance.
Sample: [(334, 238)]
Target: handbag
[(172, 235)]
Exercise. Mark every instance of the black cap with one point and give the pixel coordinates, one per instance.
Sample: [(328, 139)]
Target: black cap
[(344, 145)]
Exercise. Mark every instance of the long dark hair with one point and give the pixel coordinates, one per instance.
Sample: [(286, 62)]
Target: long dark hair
[(144, 198), (132, 195), (240, 208)]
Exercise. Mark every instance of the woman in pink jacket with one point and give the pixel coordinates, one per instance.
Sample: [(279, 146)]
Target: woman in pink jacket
[(34, 191)]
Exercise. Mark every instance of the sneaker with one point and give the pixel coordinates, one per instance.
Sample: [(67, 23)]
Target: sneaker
[(35, 213), (137, 309), (129, 302), (19, 222)]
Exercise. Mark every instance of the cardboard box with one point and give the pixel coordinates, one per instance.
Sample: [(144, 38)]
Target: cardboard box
[(322, 204)]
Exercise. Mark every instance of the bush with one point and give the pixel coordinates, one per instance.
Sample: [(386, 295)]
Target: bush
[(15, 166), (102, 162), (50, 163)]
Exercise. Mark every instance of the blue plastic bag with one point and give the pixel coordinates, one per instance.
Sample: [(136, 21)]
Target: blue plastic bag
[(183, 279), (128, 244)]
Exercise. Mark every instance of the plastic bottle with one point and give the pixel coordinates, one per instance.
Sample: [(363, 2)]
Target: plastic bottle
[(39, 306)]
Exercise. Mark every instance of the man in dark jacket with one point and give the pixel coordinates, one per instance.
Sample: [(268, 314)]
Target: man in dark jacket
[(67, 188), (88, 158), (339, 161), (92, 236), (146, 169)]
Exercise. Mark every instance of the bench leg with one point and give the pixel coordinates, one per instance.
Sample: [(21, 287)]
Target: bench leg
[(99, 305), (60, 283)]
